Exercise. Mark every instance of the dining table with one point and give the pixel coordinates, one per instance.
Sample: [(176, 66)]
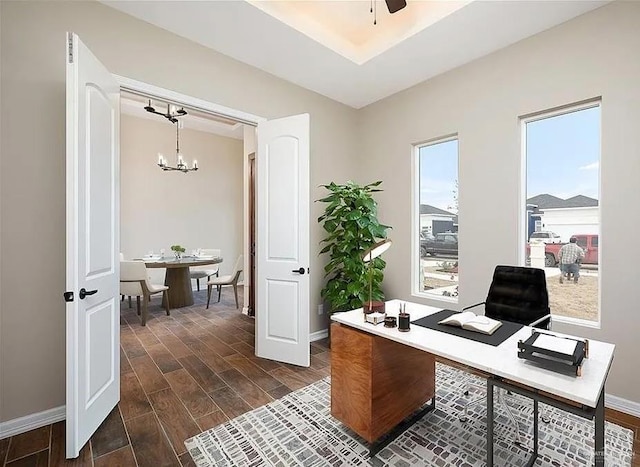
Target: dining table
[(177, 276)]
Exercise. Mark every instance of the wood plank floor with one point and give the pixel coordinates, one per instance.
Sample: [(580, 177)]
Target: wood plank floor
[(181, 375)]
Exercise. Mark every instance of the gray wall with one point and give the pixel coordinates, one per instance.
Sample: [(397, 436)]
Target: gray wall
[(593, 55), (32, 338)]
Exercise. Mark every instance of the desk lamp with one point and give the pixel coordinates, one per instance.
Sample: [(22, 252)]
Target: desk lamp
[(368, 256)]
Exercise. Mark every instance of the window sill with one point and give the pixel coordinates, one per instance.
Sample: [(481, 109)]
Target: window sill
[(435, 297), (575, 321)]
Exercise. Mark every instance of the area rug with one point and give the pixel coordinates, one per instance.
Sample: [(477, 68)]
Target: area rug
[(298, 430)]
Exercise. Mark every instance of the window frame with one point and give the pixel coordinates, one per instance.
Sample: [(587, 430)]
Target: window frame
[(522, 231), (415, 217)]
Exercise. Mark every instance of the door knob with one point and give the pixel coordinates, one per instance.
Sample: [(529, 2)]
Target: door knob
[(299, 271), (83, 293)]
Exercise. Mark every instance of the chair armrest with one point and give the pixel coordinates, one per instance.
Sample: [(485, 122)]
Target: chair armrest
[(540, 320), (472, 306)]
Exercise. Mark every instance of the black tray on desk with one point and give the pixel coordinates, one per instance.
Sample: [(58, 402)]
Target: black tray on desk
[(569, 364)]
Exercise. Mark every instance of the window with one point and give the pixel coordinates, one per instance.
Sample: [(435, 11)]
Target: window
[(437, 218), (562, 160)]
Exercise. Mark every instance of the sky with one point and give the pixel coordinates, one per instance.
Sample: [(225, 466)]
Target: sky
[(438, 174), (563, 156)]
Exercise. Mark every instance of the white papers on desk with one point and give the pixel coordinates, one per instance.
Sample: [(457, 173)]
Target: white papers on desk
[(556, 344)]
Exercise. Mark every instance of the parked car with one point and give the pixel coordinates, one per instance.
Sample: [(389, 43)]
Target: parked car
[(441, 244), (424, 237), (545, 237), (588, 242)]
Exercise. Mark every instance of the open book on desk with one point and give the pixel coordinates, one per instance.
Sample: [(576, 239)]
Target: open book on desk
[(471, 322)]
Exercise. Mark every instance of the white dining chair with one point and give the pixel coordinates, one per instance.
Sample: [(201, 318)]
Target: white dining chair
[(134, 281), (200, 272), (122, 296), (231, 279)]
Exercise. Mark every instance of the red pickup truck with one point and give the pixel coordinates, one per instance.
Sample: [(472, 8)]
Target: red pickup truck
[(588, 242)]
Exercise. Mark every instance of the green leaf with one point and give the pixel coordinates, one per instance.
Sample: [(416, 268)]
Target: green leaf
[(351, 225)]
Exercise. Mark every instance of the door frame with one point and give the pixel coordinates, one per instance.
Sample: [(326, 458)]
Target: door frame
[(249, 120)]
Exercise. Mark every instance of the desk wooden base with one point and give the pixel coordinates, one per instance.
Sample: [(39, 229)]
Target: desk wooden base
[(375, 382), (179, 282)]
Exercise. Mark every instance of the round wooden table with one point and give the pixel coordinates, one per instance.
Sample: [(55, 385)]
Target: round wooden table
[(177, 277)]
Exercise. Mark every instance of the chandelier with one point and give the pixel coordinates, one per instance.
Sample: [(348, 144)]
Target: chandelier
[(172, 112), (180, 166), (172, 115)]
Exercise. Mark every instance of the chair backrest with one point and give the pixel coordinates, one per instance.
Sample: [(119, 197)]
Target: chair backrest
[(518, 294), (237, 269), (133, 271)]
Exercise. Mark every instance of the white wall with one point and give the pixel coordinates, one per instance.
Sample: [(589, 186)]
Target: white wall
[(568, 222), (200, 209), (32, 200), (593, 55)]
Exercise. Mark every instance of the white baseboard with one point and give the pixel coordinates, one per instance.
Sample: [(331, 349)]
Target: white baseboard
[(318, 335), (622, 405), (31, 422)]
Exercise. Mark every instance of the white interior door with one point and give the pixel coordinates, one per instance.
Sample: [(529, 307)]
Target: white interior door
[(93, 320), (282, 247)]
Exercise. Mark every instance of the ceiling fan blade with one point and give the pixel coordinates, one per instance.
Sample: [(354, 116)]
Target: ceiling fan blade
[(395, 5)]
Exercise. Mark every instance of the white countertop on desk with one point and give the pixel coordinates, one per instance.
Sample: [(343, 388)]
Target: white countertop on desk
[(500, 361)]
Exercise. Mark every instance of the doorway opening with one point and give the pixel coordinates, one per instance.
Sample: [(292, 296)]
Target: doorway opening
[(207, 209)]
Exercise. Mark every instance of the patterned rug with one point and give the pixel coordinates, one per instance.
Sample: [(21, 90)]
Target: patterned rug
[(298, 430)]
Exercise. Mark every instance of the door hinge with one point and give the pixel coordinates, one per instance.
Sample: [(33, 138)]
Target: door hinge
[(70, 40), (68, 296)]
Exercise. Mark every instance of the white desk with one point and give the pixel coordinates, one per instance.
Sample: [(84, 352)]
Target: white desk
[(504, 366)]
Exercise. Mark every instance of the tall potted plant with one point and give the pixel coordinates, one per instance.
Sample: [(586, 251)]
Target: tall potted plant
[(350, 221)]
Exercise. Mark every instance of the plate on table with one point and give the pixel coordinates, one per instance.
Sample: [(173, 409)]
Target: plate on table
[(204, 257), (151, 257)]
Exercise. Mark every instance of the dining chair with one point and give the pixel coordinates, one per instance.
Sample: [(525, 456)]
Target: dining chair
[(517, 294), (231, 279), (200, 272), (122, 295), (134, 281)]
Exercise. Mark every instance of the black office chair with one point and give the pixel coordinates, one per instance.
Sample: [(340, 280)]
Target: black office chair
[(517, 294)]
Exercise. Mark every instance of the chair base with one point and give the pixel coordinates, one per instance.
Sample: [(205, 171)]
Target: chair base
[(143, 311), (219, 287), (502, 401)]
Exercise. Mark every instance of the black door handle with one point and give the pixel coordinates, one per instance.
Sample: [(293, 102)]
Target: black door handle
[(83, 293), (299, 271)]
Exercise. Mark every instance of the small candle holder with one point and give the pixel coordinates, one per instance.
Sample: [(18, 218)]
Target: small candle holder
[(390, 322)]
